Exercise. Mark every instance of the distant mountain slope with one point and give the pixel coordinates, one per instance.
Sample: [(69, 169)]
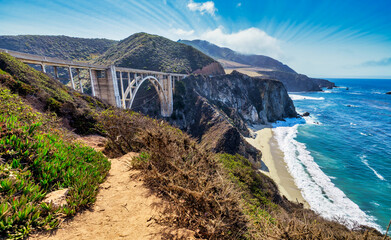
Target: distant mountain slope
[(70, 48), (146, 51), (260, 66), (227, 54), (295, 82)]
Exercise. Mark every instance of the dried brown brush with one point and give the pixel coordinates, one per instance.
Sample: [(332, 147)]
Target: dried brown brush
[(306, 224), (173, 165), (201, 196)]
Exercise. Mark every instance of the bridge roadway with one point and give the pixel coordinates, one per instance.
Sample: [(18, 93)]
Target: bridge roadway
[(117, 85)]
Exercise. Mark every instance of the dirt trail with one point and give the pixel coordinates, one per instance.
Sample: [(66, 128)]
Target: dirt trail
[(123, 210)]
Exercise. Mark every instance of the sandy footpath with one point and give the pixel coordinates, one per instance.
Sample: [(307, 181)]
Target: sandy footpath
[(124, 208), (276, 167)]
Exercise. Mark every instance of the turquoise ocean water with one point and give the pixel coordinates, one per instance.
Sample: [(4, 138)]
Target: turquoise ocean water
[(340, 156)]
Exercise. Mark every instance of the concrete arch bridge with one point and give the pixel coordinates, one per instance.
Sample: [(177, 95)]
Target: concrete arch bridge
[(117, 85)]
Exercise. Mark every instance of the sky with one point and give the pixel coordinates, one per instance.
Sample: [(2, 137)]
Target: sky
[(319, 38)]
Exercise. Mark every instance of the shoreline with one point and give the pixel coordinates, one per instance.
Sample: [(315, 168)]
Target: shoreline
[(273, 164)]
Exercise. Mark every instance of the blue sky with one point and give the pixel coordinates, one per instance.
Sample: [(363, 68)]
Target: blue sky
[(322, 38)]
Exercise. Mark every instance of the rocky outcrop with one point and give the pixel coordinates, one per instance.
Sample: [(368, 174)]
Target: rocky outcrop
[(216, 110), (297, 82), (214, 130), (57, 198), (323, 83)]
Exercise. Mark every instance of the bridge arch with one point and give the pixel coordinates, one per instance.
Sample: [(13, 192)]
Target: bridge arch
[(135, 85)]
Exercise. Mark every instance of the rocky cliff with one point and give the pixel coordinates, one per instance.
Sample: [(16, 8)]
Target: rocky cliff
[(216, 110)]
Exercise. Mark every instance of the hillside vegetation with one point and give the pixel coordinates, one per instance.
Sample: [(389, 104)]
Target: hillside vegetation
[(63, 47), (218, 196), (152, 52)]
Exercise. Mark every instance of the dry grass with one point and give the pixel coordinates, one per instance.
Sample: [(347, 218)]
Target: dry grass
[(173, 165)]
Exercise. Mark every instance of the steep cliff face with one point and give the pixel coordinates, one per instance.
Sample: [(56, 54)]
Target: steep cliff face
[(216, 110), (257, 101)]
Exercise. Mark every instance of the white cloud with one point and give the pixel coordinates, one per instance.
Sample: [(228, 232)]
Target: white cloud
[(182, 33), (206, 7), (248, 41), (239, 4)]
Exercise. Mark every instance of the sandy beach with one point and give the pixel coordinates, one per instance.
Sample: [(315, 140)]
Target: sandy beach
[(276, 167)]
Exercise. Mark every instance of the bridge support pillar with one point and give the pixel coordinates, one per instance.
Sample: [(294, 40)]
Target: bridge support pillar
[(167, 104), (56, 72), (92, 82), (78, 78), (43, 67), (112, 87), (71, 78)]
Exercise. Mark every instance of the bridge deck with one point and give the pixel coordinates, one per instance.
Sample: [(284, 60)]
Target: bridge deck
[(35, 59)]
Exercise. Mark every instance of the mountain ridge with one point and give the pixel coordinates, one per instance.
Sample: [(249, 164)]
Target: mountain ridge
[(64, 47), (228, 54), (153, 52), (260, 66)]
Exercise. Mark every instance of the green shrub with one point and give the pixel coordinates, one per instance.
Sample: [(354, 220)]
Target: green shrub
[(36, 160)]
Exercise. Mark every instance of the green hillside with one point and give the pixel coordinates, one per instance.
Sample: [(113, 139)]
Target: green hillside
[(152, 52), (63, 47)]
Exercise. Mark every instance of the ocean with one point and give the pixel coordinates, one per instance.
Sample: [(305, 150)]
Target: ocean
[(340, 156)]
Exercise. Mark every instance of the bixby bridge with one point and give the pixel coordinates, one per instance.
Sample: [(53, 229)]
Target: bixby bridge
[(117, 85)]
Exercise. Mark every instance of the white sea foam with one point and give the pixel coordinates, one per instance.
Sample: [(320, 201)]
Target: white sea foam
[(353, 124), (300, 97), (365, 134), (317, 189), (375, 203), (365, 161)]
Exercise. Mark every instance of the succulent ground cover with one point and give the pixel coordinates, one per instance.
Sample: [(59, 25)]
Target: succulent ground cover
[(37, 158)]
